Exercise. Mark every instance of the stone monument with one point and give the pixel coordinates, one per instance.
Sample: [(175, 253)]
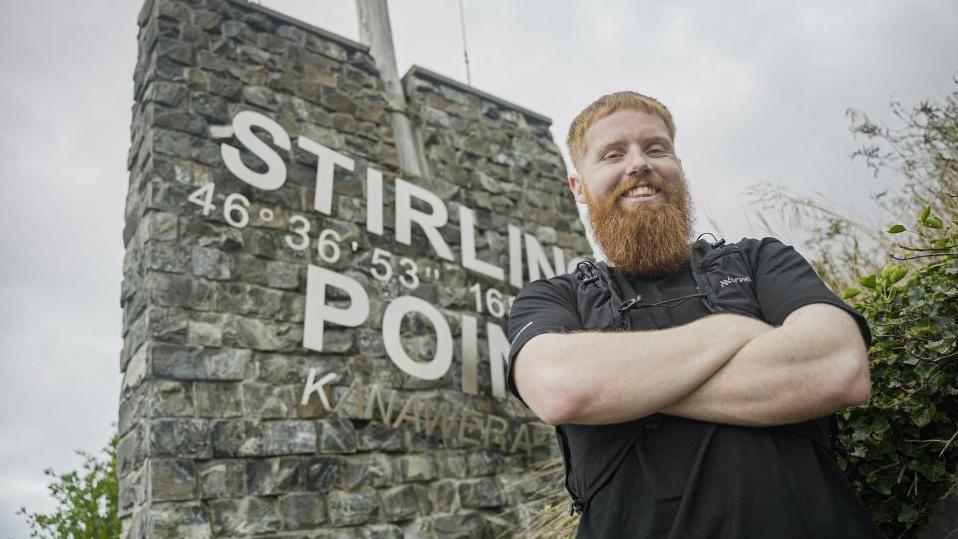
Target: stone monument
[(313, 338)]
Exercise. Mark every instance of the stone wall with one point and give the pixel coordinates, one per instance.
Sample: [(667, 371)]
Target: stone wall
[(216, 439)]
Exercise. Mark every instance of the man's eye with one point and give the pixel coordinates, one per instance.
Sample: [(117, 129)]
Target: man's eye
[(612, 155)]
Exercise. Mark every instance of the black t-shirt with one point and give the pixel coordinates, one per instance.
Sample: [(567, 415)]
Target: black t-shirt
[(689, 478)]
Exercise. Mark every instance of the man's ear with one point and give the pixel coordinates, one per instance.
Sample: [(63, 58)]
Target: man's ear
[(575, 185)]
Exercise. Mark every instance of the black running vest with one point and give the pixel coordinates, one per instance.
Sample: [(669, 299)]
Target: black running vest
[(592, 453)]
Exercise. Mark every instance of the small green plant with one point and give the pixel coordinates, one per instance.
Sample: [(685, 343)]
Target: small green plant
[(86, 500), (902, 443)]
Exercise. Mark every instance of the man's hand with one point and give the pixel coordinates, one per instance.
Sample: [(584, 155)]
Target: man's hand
[(814, 364), (613, 377)]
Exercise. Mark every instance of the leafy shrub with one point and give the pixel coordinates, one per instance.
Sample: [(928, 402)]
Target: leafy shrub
[(902, 446), (86, 500)]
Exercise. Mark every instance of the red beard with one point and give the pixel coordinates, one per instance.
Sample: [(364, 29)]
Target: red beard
[(651, 239)]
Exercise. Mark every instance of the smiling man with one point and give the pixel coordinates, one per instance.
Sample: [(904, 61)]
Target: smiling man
[(691, 383)]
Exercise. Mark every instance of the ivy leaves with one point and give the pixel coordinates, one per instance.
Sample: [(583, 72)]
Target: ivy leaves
[(903, 448)]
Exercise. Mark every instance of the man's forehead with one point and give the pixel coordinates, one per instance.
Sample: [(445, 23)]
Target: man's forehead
[(625, 124)]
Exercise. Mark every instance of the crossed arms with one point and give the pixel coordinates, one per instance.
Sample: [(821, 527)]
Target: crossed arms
[(724, 368)]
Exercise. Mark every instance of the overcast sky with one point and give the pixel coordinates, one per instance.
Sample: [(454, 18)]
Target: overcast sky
[(758, 93)]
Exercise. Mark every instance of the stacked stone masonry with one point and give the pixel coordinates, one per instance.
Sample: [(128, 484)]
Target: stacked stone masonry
[(214, 439)]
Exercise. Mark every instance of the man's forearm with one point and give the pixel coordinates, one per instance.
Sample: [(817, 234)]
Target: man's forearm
[(796, 372), (612, 377)]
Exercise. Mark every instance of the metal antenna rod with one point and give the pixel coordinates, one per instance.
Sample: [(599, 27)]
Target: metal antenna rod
[(465, 50)]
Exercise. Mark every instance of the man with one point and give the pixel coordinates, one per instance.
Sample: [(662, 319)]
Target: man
[(690, 383)]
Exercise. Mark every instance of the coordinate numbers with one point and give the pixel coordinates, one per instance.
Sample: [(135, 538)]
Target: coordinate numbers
[(494, 301), (329, 251), (235, 207), (236, 213)]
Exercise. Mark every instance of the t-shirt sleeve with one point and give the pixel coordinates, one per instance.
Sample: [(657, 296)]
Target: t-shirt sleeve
[(545, 306), (785, 281)]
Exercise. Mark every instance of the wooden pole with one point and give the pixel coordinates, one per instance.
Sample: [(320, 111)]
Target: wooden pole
[(375, 32)]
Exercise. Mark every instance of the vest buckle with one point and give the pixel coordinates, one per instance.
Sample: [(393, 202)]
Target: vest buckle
[(585, 272), (575, 507)]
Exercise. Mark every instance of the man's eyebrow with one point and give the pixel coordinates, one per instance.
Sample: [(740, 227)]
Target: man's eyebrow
[(607, 146), (661, 140)]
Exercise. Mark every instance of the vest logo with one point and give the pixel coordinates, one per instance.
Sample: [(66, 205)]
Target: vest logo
[(734, 280)]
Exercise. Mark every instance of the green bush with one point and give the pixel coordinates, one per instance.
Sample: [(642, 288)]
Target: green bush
[(86, 500), (902, 446)]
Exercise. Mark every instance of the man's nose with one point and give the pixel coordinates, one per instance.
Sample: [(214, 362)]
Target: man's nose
[(637, 164)]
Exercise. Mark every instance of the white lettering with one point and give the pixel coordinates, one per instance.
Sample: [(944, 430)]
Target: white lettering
[(318, 312), (498, 346), (316, 386), (470, 382), (374, 201), (392, 320), (467, 236), (536, 258), (429, 222), (275, 175), (326, 162), (515, 256)]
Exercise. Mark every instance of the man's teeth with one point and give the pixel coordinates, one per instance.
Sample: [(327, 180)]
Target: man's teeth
[(641, 191)]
